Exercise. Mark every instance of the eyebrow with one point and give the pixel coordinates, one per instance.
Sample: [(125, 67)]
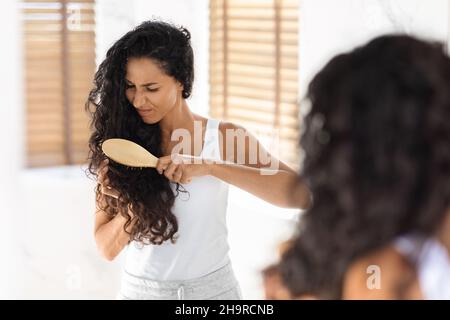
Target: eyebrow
[(142, 85)]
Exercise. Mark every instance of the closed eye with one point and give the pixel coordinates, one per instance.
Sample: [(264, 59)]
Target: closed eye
[(147, 87)]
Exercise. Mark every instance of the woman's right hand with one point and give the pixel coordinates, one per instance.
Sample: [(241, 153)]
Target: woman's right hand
[(103, 180)]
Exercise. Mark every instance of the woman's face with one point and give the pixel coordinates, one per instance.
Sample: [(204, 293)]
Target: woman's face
[(150, 90)]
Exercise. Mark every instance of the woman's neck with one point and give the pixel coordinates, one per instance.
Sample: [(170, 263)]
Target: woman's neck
[(179, 117)]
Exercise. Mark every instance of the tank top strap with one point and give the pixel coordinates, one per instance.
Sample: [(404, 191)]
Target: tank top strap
[(211, 149), (431, 261)]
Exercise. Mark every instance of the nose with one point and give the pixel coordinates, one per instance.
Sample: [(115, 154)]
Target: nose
[(139, 100)]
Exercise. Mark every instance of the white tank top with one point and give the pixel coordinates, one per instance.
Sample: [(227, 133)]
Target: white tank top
[(202, 244), (432, 262)]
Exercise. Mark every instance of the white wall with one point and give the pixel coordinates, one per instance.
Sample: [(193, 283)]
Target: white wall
[(11, 146), (113, 19), (62, 261), (328, 27)]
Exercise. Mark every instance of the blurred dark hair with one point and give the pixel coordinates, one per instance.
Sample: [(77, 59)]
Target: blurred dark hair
[(301, 271), (145, 191), (377, 152)]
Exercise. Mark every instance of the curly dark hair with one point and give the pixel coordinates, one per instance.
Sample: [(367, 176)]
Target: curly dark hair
[(301, 271), (145, 191), (377, 151)]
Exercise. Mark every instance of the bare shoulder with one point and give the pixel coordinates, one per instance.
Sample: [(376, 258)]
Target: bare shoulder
[(234, 141), (240, 145), (198, 117), (381, 274), (233, 127)]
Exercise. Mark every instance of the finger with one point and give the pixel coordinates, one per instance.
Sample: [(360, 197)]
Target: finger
[(188, 159), (106, 183), (162, 167), (104, 164), (163, 163), (102, 178), (103, 168), (170, 171), (178, 174), (165, 160), (185, 180), (176, 158), (110, 192), (113, 193)]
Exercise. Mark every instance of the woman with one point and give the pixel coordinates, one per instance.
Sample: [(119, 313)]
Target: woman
[(377, 160), (171, 218)]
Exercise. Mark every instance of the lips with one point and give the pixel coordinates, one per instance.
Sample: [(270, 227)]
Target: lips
[(146, 112)]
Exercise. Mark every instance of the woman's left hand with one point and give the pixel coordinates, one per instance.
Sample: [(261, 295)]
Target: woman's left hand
[(181, 168)]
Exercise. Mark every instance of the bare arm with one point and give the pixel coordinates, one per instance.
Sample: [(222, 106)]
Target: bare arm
[(246, 165), (110, 235), (249, 166), (276, 187), (109, 232)]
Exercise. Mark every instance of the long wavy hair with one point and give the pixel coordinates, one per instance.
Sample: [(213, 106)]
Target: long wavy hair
[(377, 154), (148, 194)]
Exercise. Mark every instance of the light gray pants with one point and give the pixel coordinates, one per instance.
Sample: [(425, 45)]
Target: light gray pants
[(218, 285)]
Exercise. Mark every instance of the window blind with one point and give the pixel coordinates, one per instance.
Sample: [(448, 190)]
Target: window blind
[(254, 70), (59, 44)]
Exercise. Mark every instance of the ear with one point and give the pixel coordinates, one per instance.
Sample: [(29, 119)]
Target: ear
[(180, 86)]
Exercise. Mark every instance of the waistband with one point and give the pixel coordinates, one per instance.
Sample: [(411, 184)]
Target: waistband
[(215, 282)]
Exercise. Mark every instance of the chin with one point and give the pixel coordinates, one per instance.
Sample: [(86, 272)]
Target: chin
[(150, 120), (147, 121)]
